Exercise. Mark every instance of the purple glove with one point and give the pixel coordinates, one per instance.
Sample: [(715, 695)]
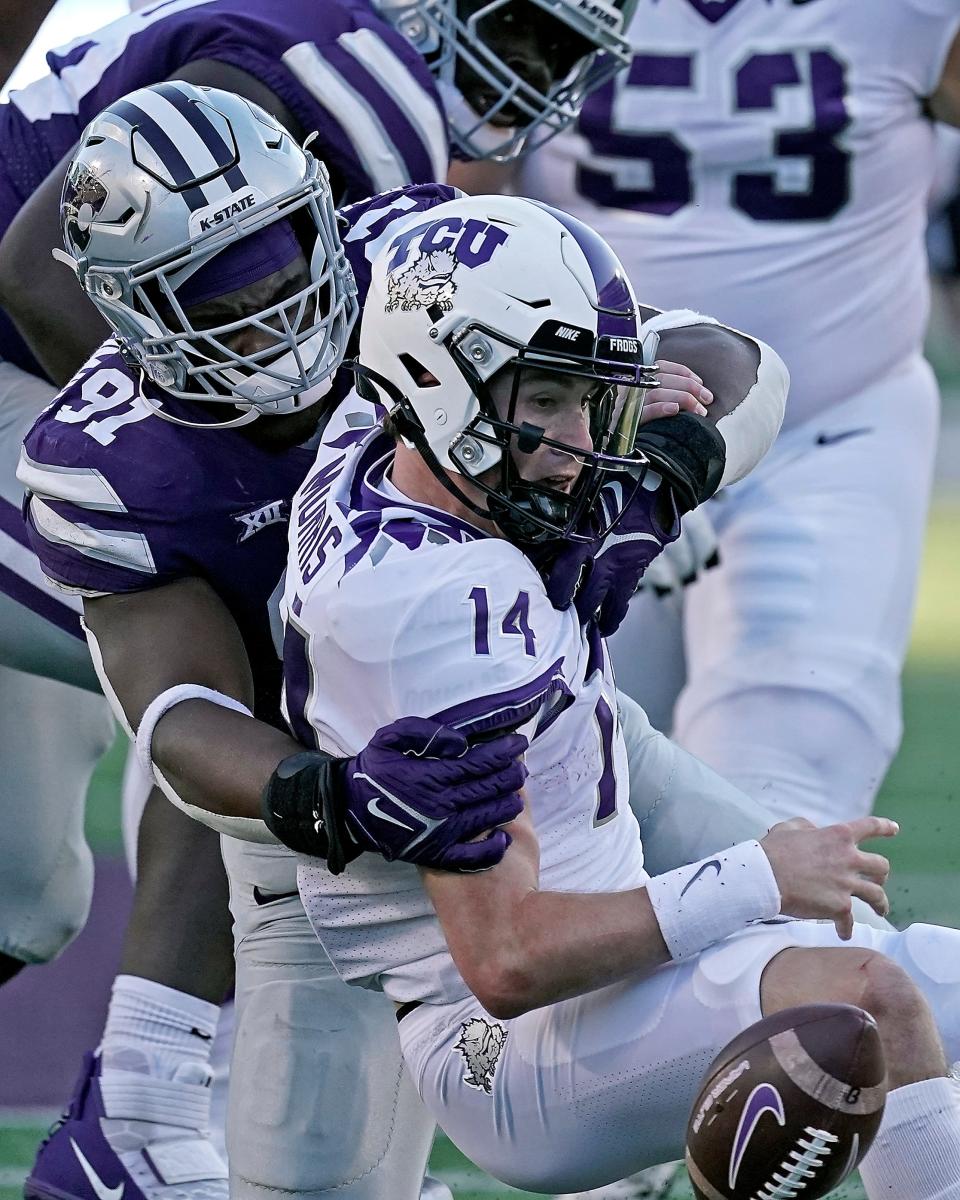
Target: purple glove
[(418, 792), (601, 577)]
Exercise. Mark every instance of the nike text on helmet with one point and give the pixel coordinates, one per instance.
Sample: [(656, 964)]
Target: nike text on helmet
[(451, 42), (485, 283), (179, 195)]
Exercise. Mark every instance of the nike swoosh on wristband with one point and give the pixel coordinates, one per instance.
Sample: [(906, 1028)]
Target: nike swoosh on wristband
[(830, 439), (103, 1192), (714, 862), (429, 824), (271, 897)]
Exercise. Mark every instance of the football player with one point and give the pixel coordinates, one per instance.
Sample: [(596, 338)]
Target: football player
[(165, 528), (354, 79), (340, 71), (558, 1010), (778, 157)]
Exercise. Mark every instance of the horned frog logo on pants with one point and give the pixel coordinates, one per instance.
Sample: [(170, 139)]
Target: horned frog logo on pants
[(480, 1045)]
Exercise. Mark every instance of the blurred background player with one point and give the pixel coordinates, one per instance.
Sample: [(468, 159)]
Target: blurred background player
[(787, 185)]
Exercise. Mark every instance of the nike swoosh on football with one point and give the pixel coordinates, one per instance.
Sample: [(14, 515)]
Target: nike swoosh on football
[(271, 897), (103, 1192), (763, 1099), (829, 439), (714, 862)]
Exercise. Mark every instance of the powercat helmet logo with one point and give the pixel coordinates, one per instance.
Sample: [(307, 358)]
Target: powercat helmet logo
[(420, 273), (84, 196)]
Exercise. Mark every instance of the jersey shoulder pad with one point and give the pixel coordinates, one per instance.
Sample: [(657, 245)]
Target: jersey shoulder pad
[(354, 81), (106, 480), (475, 641)]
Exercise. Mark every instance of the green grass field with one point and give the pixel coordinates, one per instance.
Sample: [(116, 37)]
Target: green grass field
[(920, 792)]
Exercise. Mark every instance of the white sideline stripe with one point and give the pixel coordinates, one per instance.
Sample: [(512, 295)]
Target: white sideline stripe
[(422, 111), (13, 1177), (381, 159), (85, 486), (124, 549), (24, 562)]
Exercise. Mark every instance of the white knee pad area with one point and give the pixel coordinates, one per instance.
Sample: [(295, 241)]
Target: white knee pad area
[(51, 738), (799, 752)]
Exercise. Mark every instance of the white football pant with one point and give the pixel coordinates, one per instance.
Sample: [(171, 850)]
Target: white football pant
[(594, 1089), (51, 735)]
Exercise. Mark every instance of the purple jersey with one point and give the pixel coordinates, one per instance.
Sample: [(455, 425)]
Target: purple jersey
[(339, 69), (121, 500)]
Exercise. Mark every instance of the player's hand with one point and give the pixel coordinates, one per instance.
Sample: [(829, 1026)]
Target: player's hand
[(421, 793), (819, 870), (600, 578), (696, 550), (678, 390)]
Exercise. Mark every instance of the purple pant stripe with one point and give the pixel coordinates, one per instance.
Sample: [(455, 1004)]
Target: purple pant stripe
[(12, 522), (42, 603)]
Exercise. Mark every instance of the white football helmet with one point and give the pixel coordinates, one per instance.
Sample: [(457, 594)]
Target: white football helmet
[(179, 195), (487, 282), (455, 45)]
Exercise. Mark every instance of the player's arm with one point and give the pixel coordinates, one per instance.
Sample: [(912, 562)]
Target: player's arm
[(44, 303), (19, 20), (519, 948), (944, 104), (182, 633), (210, 758)]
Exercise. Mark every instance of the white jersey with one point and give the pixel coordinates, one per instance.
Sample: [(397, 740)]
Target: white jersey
[(768, 162), (395, 609)]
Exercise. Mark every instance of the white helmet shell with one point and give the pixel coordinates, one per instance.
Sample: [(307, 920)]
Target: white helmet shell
[(479, 283)]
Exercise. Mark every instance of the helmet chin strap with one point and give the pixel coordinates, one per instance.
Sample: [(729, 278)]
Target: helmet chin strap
[(243, 418)]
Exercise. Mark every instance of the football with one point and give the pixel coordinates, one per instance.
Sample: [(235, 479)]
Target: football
[(789, 1107)]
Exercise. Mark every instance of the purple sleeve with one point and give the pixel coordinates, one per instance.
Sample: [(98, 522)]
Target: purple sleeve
[(108, 505), (322, 58)]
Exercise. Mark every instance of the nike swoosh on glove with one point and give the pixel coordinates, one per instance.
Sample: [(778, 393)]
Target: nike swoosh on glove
[(418, 792)]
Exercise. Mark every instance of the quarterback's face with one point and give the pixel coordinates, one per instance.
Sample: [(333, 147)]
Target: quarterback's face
[(560, 405)]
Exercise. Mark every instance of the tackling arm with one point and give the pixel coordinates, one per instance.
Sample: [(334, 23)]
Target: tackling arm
[(19, 20), (61, 333), (212, 758)]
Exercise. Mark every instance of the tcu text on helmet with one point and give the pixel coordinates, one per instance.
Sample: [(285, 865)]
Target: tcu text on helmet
[(472, 242)]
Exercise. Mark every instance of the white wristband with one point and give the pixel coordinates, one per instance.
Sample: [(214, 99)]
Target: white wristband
[(164, 702), (706, 901)]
